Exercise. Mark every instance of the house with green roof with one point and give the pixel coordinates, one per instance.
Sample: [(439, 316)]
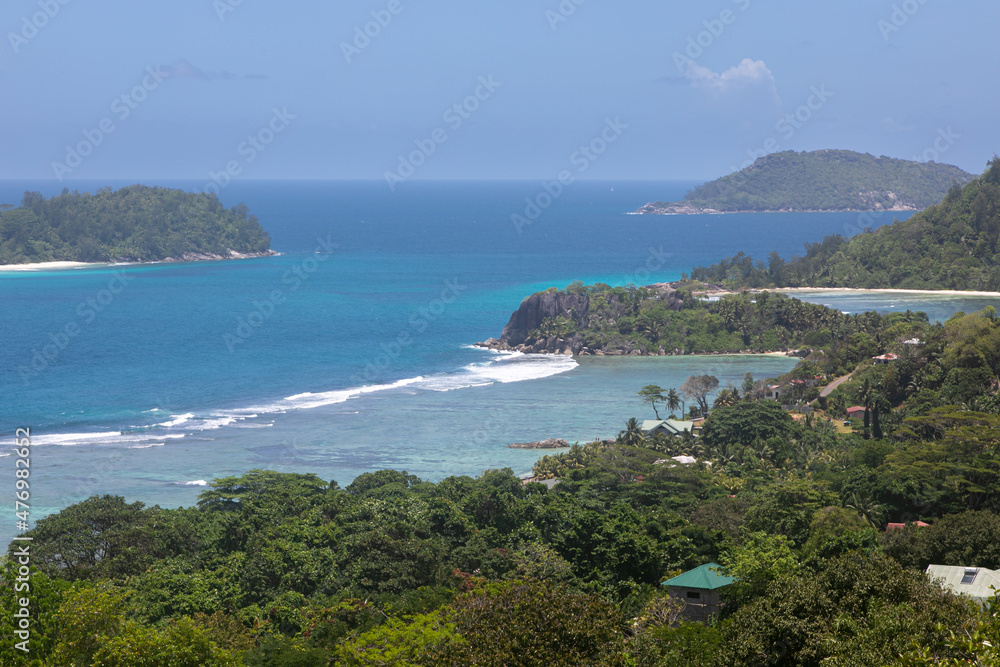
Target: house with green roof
[(978, 583), (672, 427), (699, 590)]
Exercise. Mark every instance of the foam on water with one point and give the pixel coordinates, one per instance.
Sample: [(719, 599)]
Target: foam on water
[(501, 367), (101, 438), (507, 367)]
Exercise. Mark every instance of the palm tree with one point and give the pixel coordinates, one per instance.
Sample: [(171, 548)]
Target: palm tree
[(632, 436), (866, 507), (865, 398), (674, 401), (725, 398)]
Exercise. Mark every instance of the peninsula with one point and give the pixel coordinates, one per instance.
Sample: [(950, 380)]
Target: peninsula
[(133, 224), (677, 319), (825, 180), (952, 245)]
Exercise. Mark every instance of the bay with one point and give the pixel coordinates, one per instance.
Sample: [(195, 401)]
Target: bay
[(339, 360)]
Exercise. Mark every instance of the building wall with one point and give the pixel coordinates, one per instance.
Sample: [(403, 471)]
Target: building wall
[(698, 609)]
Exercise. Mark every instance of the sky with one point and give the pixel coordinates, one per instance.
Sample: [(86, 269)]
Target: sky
[(464, 89)]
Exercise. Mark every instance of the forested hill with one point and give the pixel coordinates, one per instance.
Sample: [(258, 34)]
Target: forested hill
[(952, 245), (826, 180), (136, 223)]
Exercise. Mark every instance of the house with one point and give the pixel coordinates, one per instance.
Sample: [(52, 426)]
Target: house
[(885, 358), (975, 582), (773, 392), (550, 483), (699, 589), (856, 412), (671, 427), (913, 341), (900, 526)]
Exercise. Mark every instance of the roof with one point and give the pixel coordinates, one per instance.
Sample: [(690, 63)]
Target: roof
[(979, 579), (856, 408), (707, 577), (887, 357), (674, 426), (896, 526)]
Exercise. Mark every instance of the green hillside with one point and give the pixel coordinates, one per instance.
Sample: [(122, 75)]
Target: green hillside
[(136, 223), (952, 245), (827, 180)]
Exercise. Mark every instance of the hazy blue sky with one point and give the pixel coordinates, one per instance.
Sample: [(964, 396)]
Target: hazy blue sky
[(183, 84)]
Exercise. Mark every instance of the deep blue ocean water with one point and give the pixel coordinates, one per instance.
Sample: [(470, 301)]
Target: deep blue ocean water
[(352, 350)]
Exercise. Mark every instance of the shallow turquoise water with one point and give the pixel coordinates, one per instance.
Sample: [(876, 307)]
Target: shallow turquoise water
[(352, 360)]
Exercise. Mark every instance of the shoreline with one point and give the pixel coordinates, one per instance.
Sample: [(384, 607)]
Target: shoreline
[(857, 290), (887, 290), (49, 266), (68, 265), (634, 355)]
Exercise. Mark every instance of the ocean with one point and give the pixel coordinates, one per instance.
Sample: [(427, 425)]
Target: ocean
[(353, 350)]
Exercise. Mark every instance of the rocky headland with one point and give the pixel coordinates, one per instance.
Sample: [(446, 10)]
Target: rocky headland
[(525, 332)]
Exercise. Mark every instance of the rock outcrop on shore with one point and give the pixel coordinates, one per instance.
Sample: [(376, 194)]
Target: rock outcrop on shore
[(548, 443), (207, 256)]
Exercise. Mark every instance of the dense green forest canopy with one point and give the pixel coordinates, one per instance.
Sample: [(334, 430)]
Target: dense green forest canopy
[(952, 245), (287, 569), (641, 318), (135, 223), (827, 180)]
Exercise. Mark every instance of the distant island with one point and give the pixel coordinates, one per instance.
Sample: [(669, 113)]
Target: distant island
[(825, 180), (954, 245), (133, 224)]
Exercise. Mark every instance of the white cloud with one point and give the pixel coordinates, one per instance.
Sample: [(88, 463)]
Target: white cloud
[(747, 73)]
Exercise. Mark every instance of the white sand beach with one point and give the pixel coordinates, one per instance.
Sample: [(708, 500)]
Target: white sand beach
[(45, 266), (857, 290)]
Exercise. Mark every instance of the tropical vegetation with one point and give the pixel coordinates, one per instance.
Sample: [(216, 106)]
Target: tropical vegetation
[(135, 223), (951, 245), (288, 569), (825, 180)]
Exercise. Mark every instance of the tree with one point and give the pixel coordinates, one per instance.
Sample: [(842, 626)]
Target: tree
[(725, 398), (757, 561), (652, 394), (748, 387), (859, 609), (402, 642), (831, 523), (787, 507), (977, 644), (674, 401), (698, 387), (105, 537), (632, 436), (515, 623), (969, 538), (748, 423)]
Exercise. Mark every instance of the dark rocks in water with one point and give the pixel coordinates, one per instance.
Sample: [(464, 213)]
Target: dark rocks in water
[(550, 443)]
